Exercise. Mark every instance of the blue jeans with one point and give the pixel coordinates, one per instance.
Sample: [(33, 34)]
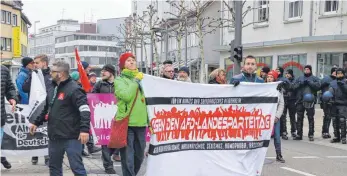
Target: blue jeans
[(132, 155), (73, 149), (277, 137), (1, 135)]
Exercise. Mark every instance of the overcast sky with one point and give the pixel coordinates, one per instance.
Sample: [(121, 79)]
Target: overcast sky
[(49, 11)]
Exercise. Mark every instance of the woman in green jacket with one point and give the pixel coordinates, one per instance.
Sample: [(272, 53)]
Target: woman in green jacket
[(126, 87)]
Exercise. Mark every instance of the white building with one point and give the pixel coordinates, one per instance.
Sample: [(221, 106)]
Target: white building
[(43, 42), (96, 49), (291, 34)]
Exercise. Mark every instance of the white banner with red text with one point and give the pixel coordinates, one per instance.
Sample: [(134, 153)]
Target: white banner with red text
[(200, 129)]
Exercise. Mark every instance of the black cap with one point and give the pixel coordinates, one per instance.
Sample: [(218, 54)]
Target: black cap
[(333, 70), (110, 68), (341, 70), (265, 69), (309, 67), (26, 61), (290, 71)]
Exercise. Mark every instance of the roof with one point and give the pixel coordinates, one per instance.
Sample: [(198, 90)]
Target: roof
[(112, 18), (25, 18), (80, 33)]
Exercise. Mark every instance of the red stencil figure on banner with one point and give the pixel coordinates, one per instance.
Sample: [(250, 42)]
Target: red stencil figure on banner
[(83, 75)]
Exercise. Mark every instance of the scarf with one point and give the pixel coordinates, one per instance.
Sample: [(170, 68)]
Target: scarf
[(132, 74)]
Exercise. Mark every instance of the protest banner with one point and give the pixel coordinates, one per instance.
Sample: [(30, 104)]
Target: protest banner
[(17, 140), (208, 129), (103, 108)]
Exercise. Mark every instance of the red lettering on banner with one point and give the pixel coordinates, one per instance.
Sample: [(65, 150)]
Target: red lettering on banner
[(221, 124)]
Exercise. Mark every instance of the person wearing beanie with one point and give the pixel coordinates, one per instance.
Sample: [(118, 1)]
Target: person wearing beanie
[(86, 67), (338, 88), (129, 93), (75, 75), (264, 71), (106, 85), (24, 72), (92, 78), (306, 88), (289, 106), (183, 74), (327, 106), (272, 77), (282, 78)]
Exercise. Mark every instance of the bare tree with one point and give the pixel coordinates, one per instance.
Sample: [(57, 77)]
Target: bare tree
[(124, 34)]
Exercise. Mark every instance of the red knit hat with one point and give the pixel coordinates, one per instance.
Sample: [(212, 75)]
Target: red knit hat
[(123, 58), (273, 73)]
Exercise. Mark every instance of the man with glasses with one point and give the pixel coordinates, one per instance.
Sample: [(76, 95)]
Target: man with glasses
[(40, 62), (68, 121), (169, 72)]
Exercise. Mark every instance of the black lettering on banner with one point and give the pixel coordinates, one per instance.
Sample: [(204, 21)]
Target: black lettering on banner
[(207, 145), (209, 101)]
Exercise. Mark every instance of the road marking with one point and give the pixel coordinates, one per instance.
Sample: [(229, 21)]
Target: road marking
[(297, 171), (270, 157), (336, 156), (305, 157)]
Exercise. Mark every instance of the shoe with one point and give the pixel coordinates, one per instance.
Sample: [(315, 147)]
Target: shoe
[(110, 171), (311, 138), (6, 164), (326, 136), (285, 137), (94, 150), (116, 158), (47, 162), (298, 138), (280, 159), (335, 140), (84, 153), (343, 141), (293, 134), (34, 160)]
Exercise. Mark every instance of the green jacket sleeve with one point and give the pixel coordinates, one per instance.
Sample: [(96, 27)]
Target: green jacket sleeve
[(123, 90)]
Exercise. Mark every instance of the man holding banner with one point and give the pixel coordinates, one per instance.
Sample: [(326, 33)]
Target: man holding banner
[(248, 72), (106, 85), (68, 121), (9, 91)]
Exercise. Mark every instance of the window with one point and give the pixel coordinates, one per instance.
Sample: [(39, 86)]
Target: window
[(103, 48), (87, 59), (6, 44), (331, 6), (3, 16), (82, 37), (69, 49), (295, 62), (262, 62), (262, 12), (93, 48), (326, 61), (14, 20), (72, 60), (70, 38), (60, 40), (24, 50), (102, 60), (93, 37), (8, 18), (294, 8)]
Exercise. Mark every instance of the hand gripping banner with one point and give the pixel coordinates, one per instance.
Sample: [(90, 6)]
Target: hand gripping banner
[(206, 130)]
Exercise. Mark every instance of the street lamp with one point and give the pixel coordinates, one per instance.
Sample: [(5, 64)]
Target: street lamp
[(35, 36)]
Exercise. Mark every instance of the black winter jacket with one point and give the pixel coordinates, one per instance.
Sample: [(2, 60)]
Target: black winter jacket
[(289, 94), (339, 90), (47, 78), (103, 87), (68, 113), (325, 83), (213, 81), (313, 85), (8, 90)]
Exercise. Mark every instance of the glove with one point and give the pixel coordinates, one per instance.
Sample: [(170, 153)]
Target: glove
[(281, 85), (340, 83), (235, 83)]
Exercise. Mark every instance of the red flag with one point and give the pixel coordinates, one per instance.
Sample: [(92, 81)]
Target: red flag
[(83, 75)]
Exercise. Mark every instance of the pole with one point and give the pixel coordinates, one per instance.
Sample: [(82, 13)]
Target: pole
[(238, 33), (186, 44), (35, 38), (151, 52), (142, 55), (166, 42)]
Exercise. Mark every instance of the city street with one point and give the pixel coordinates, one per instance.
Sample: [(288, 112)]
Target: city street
[(318, 158)]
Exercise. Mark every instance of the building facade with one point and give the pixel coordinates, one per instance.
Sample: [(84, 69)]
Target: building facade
[(14, 31), (291, 34), (44, 41), (96, 49)]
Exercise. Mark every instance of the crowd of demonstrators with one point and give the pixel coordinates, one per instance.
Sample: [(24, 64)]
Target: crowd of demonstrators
[(68, 121), (272, 76), (106, 85), (8, 90), (129, 93), (40, 63), (217, 76), (24, 72), (183, 75)]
